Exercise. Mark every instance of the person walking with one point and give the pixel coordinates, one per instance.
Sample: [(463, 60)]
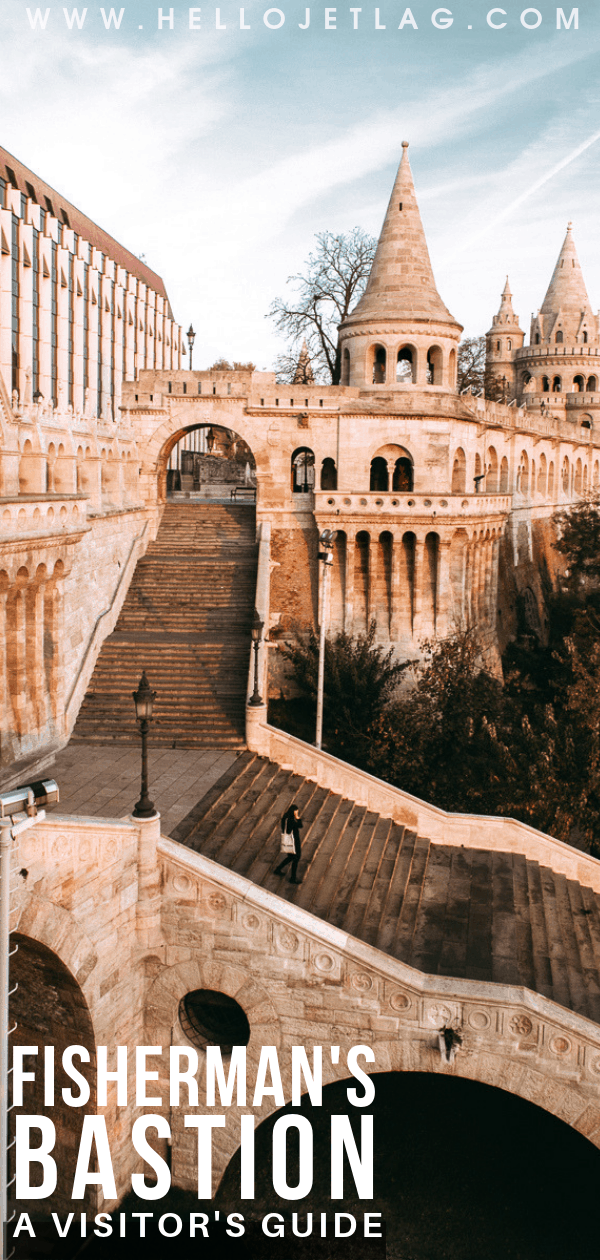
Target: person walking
[(290, 831)]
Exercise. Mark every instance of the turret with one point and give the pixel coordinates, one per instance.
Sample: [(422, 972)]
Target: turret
[(400, 334), (502, 340), (565, 317)]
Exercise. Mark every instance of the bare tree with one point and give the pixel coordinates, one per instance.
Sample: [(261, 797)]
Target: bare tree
[(334, 277), (471, 365)]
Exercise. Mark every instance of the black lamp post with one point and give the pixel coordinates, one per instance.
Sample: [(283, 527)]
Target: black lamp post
[(257, 629), (210, 439), (144, 698), (191, 336)]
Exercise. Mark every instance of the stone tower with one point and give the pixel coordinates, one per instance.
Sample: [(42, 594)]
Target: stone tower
[(502, 340), (563, 356), (400, 334)]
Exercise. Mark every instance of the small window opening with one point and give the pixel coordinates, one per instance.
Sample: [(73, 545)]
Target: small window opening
[(185, 387), (320, 402), (209, 1018), (399, 205), (585, 339), (199, 387), (12, 177), (31, 192), (214, 389), (170, 387), (559, 337)]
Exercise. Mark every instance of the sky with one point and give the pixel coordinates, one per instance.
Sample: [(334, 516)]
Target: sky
[(218, 154)]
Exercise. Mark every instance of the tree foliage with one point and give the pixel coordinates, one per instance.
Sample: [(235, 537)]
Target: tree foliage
[(333, 279), (223, 365), (579, 541), (360, 677)]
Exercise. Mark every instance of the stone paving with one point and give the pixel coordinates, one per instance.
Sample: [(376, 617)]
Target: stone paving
[(103, 780)]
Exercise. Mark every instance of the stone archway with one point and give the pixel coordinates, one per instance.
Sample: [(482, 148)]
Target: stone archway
[(460, 1169), (206, 459), (49, 1008)]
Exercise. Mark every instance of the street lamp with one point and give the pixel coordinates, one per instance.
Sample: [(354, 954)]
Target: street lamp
[(326, 540), (143, 699), (210, 439), (191, 336), (257, 629)]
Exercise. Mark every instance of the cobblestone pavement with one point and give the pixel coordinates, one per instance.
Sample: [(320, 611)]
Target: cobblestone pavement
[(103, 780)]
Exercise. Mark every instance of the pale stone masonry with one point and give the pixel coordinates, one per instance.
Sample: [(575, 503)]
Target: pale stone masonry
[(442, 502)]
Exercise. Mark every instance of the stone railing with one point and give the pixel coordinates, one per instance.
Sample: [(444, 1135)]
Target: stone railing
[(104, 625), (338, 503), (472, 831), (38, 515)]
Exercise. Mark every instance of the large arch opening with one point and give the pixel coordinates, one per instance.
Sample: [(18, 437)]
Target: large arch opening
[(208, 461), (461, 1170), (49, 1009)]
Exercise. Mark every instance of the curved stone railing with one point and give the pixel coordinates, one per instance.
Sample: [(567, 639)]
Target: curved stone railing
[(405, 504)]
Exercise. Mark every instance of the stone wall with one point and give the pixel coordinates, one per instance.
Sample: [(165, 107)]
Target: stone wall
[(140, 921)]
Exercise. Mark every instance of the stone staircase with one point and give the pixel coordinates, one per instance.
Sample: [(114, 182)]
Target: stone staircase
[(445, 910), (186, 620)]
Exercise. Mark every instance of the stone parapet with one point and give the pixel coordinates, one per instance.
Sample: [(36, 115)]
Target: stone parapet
[(408, 507)]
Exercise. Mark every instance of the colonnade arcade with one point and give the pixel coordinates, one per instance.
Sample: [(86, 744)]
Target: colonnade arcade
[(415, 583), (30, 647), (404, 364)]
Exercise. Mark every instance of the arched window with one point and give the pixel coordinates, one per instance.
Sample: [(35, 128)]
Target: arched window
[(504, 475), (498, 345), (592, 385), (379, 365), (346, 367), (402, 479), (596, 478), (509, 344), (328, 474), (565, 475), (585, 337), (523, 474), (585, 478), (491, 480), (578, 384), (452, 370), (459, 472), (556, 385), (537, 339), (551, 479), (379, 474), (434, 366), (303, 471), (542, 472), (586, 422), (406, 366), (545, 385), (578, 476), (559, 337)]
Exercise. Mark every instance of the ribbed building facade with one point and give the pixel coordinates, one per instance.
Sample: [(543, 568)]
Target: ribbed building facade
[(78, 313)]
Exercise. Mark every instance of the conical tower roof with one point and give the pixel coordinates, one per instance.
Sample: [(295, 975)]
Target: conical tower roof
[(304, 374), (401, 286), (566, 292)]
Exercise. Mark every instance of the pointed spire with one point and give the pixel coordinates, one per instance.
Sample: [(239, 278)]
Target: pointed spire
[(567, 293), (506, 315), (401, 285), (304, 374)]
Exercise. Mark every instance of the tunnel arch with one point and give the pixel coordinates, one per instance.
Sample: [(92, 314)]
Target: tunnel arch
[(49, 1007), (206, 453), (493, 1147)]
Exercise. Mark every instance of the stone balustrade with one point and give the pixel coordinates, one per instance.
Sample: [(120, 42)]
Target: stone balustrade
[(36, 516), (410, 505)]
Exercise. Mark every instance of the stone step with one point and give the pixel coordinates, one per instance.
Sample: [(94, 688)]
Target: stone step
[(186, 620), (445, 910)]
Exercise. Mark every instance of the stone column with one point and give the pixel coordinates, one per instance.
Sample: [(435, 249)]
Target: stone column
[(149, 897), (420, 628), (396, 592), (18, 656), (5, 707), (443, 592), (35, 650), (349, 585)]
